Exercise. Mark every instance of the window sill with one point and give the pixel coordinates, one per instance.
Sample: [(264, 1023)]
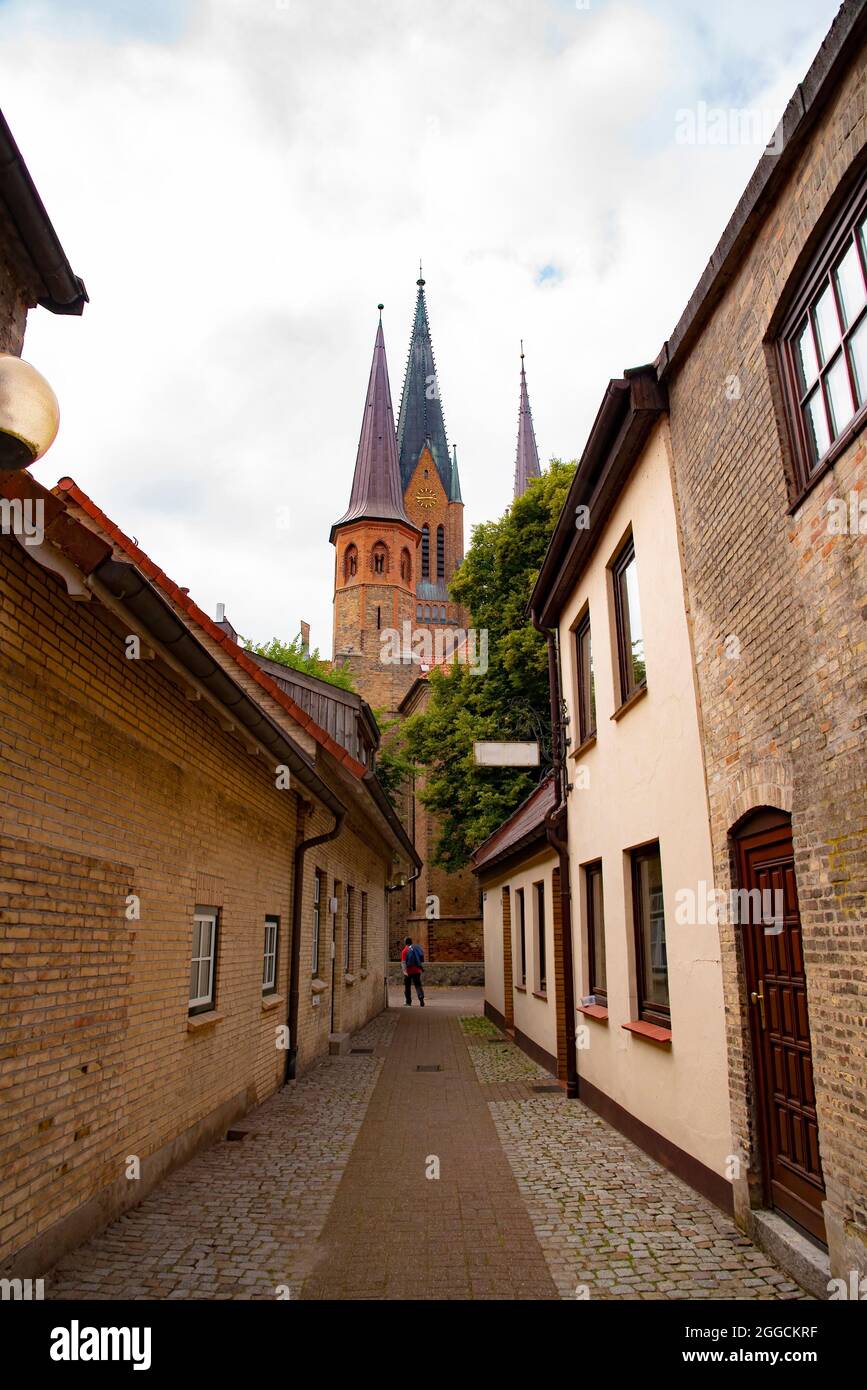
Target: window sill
[(636, 695), (318, 986), (522, 989), (271, 1001), (540, 994), (364, 972), (593, 1011), (583, 747), (349, 979), (651, 1031), (197, 1023)]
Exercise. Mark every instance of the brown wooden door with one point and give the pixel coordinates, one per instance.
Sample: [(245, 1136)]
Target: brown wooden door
[(780, 1027)]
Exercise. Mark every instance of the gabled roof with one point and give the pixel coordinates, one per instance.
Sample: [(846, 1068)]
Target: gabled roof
[(376, 488), (61, 289), (527, 457), (420, 420), (67, 488), (523, 830)]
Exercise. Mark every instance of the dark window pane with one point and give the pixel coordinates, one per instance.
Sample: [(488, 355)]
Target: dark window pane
[(651, 927), (596, 931)]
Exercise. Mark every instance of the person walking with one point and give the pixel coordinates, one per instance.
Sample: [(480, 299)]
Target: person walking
[(412, 964)]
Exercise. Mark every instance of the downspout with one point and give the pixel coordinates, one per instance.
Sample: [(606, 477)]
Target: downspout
[(295, 966), (555, 819)]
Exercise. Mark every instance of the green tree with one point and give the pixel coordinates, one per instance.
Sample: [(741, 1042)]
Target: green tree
[(294, 655), (508, 701)]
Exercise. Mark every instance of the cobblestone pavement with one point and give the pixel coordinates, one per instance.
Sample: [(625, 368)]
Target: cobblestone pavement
[(614, 1224), (241, 1219), (328, 1196)]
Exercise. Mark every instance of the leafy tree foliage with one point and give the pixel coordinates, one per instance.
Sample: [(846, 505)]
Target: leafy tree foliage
[(510, 701), (292, 654)]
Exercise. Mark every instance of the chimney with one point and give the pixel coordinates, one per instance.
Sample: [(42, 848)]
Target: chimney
[(305, 637), (223, 622)]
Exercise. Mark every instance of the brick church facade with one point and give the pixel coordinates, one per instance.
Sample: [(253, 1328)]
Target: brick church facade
[(397, 546)]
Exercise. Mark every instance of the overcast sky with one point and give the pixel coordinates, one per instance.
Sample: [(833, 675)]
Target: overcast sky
[(239, 182)]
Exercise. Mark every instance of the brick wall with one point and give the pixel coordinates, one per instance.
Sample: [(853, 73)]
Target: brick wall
[(115, 783), (784, 722)]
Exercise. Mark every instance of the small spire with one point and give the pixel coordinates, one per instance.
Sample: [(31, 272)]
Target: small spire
[(421, 280), (420, 421), (380, 307), (527, 459)]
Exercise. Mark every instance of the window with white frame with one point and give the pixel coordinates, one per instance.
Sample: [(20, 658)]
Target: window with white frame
[(203, 960), (269, 955)]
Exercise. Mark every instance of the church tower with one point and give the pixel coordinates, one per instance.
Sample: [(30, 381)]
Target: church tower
[(527, 458), (430, 483), (377, 554)]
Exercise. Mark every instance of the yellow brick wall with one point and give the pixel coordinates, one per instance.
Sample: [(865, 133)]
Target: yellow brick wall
[(115, 783)]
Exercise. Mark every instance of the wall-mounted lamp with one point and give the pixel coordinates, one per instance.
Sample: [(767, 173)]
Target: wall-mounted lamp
[(29, 413)]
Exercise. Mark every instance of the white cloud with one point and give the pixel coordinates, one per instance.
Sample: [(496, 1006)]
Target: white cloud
[(239, 182)]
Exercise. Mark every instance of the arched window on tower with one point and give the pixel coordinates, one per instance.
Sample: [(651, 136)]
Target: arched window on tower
[(441, 552), (405, 566), (350, 562), (379, 558), (425, 551)]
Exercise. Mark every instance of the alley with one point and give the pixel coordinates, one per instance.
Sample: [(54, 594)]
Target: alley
[(434, 1160)]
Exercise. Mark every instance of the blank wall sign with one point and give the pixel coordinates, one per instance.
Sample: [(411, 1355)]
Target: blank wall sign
[(506, 754)]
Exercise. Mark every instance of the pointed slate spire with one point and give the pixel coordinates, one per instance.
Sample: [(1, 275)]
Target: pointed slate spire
[(527, 459), (421, 416), (455, 490), (376, 490)]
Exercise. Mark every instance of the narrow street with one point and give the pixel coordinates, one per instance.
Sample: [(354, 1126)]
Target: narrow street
[(433, 1161)]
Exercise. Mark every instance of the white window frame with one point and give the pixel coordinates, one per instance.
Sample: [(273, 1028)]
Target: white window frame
[(210, 916), (269, 955)]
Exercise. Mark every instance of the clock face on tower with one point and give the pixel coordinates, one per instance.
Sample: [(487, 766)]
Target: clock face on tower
[(426, 498)]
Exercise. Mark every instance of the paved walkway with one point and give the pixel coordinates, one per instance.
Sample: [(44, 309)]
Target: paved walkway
[(470, 1179)]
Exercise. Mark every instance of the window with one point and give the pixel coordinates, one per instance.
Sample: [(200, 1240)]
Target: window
[(541, 972), (441, 552), (630, 634), (364, 931), (203, 960), (405, 566), (522, 940), (596, 976), (269, 957), (823, 344), (317, 921), (425, 551), (379, 558), (419, 612), (350, 562), (347, 930), (651, 959), (586, 683)]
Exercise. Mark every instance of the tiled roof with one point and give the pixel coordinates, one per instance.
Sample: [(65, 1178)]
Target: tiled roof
[(376, 487), (67, 488), (421, 420), (523, 824)]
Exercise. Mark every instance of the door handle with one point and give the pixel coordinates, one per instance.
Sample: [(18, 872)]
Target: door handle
[(757, 997)]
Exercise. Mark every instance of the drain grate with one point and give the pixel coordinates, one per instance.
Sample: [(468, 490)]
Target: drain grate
[(367, 1051), (547, 1090), (435, 1066)]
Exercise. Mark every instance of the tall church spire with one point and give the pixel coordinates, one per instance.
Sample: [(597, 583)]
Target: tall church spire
[(527, 459), (421, 416), (376, 488)]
